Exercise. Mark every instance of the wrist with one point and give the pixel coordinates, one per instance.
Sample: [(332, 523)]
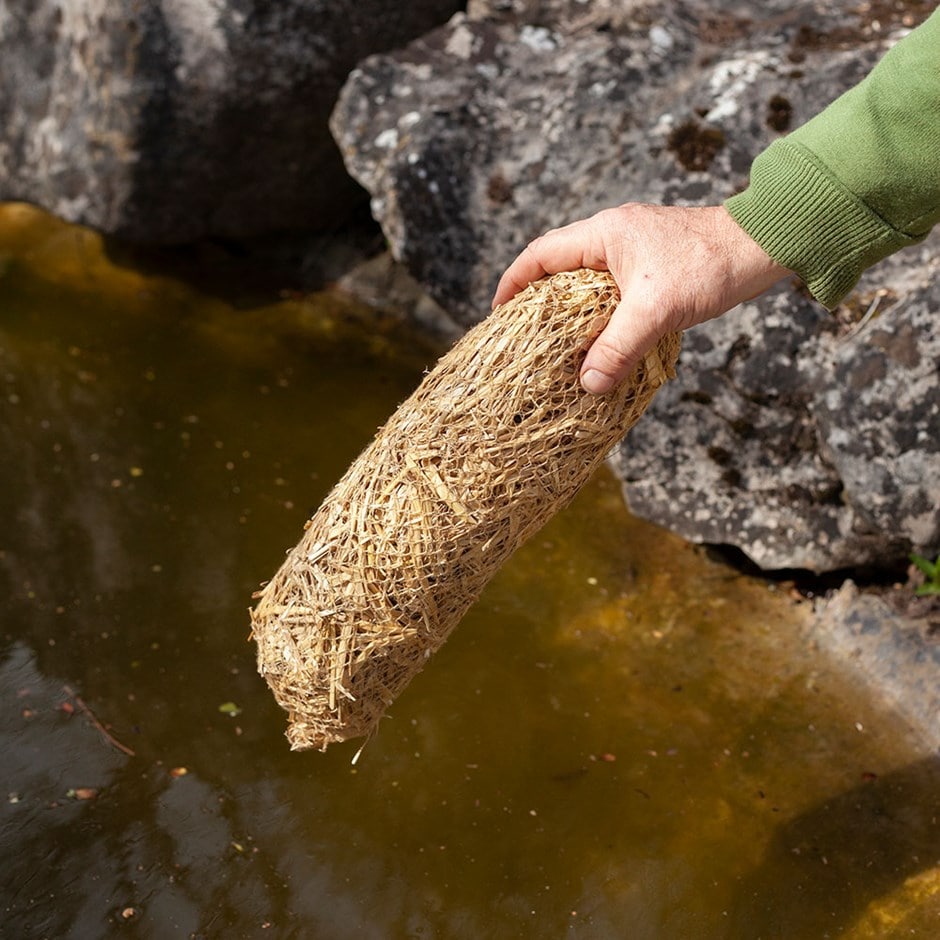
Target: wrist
[(751, 270)]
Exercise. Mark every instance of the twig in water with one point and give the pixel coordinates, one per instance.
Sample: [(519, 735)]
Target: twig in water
[(90, 715)]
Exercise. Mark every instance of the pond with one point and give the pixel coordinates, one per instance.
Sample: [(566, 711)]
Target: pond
[(624, 738)]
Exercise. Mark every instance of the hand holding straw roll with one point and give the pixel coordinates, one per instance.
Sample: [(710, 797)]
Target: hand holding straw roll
[(495, 440)]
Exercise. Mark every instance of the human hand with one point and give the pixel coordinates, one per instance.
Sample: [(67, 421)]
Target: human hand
[(675, 267)]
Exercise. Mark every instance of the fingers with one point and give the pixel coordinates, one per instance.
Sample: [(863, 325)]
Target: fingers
[(584, 244), (675, 266), (561, 249), (626, 339), (523, 271)]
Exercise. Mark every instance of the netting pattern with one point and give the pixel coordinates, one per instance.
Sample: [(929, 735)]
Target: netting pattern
[(494, 441)]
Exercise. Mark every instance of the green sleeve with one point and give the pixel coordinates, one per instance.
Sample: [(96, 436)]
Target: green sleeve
[(857, 182)]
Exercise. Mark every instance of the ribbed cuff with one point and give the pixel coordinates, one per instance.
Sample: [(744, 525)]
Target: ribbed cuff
[(800, 214)]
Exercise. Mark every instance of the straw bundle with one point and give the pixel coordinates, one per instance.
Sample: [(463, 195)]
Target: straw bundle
[(496, 439)]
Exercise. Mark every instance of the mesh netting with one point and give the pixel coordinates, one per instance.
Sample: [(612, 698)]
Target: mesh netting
[(495, 440)]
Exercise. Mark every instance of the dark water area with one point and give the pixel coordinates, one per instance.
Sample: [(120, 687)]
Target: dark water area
[(623, 739)]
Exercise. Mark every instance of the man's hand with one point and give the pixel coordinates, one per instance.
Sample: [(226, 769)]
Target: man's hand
[(675, 267)]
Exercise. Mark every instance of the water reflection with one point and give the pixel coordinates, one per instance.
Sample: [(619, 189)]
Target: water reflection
[(622, 739)]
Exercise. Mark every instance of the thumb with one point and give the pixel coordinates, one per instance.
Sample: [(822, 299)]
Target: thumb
[(626, 339)]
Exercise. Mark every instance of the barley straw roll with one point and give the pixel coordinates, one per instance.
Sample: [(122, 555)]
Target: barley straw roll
[(494, 441)]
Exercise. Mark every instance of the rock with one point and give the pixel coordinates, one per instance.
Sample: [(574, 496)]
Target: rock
[(525, 114), (728, 454), (173, 120), (895, 655), (484, 132), (802, 441), (493, 128), (387, 287), (878, 417)]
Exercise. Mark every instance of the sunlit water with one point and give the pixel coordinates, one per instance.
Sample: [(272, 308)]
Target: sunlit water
[(624, 738)]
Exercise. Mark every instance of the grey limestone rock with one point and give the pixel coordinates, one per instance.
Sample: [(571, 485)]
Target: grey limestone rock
[(175, 120), (495, 127), (804, 440), (896, 653)]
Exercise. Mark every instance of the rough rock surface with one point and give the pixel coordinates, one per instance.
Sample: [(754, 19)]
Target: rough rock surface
[(791, 434), (175, 120), (805, 439), (895, 653), (491, 129)]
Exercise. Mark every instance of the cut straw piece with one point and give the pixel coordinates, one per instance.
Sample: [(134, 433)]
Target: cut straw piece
[(496, 439)]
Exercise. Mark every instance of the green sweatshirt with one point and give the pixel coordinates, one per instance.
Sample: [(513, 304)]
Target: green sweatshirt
[(857, 182)]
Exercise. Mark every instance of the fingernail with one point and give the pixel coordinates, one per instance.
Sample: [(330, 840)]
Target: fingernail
[(595, 382)]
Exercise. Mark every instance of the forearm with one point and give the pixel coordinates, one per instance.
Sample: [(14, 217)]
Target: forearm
[(859, 181)]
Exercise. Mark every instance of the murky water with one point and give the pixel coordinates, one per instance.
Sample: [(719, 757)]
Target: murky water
[(624, 739)]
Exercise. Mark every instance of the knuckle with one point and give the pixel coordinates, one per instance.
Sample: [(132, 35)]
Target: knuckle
[(611, 353), (537, 245)]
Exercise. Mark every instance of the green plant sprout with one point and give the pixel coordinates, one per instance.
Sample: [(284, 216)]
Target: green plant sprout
[(931, 570)]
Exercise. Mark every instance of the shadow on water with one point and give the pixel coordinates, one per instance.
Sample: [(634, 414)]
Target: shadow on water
[(625, 737), (857, 846), (260, 271)]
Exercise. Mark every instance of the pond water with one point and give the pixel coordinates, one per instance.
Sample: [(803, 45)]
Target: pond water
[(625, 738)]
